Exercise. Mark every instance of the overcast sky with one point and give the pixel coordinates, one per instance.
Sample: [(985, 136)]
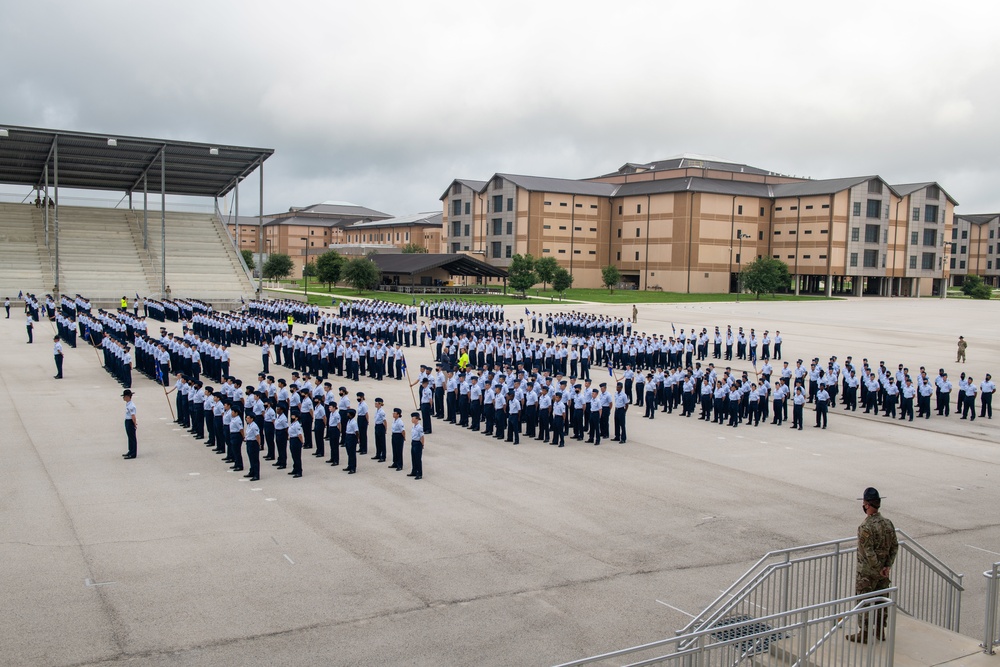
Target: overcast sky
[(384, 103)]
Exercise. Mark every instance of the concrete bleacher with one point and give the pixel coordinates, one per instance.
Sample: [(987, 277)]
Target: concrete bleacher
[(201, 260), (101, 255), (21, 265), (98, 255)]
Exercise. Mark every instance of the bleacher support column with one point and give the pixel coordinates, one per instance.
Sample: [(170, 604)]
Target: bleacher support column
[(145, 212), (163, 222), (260, 234), (55, 163)]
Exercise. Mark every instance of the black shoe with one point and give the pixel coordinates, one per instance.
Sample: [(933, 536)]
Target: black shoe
[(375, 458), (411, 475), (128, 456), (349, 472), (298, 474), (418, 477), (268, 458), (248, 474)]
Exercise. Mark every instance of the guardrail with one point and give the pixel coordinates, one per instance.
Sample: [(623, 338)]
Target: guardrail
[(814, 635), (991, 633), (812, 574)]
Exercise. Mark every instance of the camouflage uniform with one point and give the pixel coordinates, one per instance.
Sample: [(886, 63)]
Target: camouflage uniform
[(877, 549)]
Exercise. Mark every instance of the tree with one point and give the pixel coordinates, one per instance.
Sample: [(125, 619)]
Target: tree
[(611, 276), (278, 266), (414, 248), (765, 275), (248, 258), (361, 274), (521, 273), (545, 269), (561, 280), (976, 288), (309, 269), (328, 268)]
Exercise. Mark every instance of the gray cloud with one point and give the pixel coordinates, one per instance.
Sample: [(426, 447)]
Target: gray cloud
[(384, 103)]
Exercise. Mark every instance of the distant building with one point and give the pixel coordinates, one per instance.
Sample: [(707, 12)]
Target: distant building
[(975, 248), (310, 229), (677, 224), (423, 229)]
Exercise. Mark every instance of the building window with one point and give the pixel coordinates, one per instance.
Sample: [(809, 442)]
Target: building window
[(497, 182), (777, 256), (456, 228), (562, 203), (793, 208), (822, 256), (455, 247), (965, 250), (619, 210), (854, 259), (545, 250), (916, 214), (510, 227), (638, 208), (825, 206), (760, 236), (927, 261), (954, 248), (497, 203), (407, 236), (930, 213), (857, 208), (593, 229), (637, 255), (806, 256), (468, 208), (546, 226), (619, 232), (762, 211), (497, 226), (562, 252), (576, 252), (961, 264), (562, 227), (913, 261), (456, 188), (933, 192), (593, 252), (739, 210), (808, 231), (965, 234), (456, 207), (777, 208), (637, 232), (824, 231), (871, 259), (930, 237), (809, 207), (953, 262), (954, 232), (618, 256), (874, 208), (508, 252), (496, 249), (871, 233), (914, 238), (579, 205), (874, 187), (593, 206), (548, 203), (777, 233), (510, 203)]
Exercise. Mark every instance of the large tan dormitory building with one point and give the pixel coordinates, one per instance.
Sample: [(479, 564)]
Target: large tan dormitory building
[(676, 224), (422, 229)]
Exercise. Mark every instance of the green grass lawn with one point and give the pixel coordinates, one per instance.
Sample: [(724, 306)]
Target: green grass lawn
[(571, 296), (636, 296)]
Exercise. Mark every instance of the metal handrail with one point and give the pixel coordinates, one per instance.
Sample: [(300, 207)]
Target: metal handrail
[(810, 628), (991, 632), (809, 577)]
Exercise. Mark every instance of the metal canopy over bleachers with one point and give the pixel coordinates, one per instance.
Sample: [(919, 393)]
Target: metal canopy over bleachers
[(120, 163)]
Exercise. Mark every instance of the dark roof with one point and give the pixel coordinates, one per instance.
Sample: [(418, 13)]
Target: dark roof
[(87, 161), (474, 185), (826, 186), (690, 161), (978, 218), (560, 185), (343, 209), (693, 184), (909, 188), (311, 221), (432, 219), (408, 264)]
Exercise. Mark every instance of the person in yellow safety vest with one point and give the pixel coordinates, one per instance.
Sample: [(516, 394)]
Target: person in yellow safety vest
[(291, 322), (124, 303), (463, 361)]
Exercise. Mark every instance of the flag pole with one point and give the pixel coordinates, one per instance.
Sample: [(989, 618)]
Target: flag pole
[(406, 372), (159, 381)]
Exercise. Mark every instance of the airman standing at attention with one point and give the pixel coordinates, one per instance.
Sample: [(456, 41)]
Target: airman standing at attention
[(416, 446), (962, 345), (57, 353), (130, 425), (877, 549)]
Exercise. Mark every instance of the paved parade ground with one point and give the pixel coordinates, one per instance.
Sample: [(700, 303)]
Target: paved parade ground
[(500, 555)]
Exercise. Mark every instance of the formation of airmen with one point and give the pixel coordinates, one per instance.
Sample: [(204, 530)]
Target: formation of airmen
[(491, 376)]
